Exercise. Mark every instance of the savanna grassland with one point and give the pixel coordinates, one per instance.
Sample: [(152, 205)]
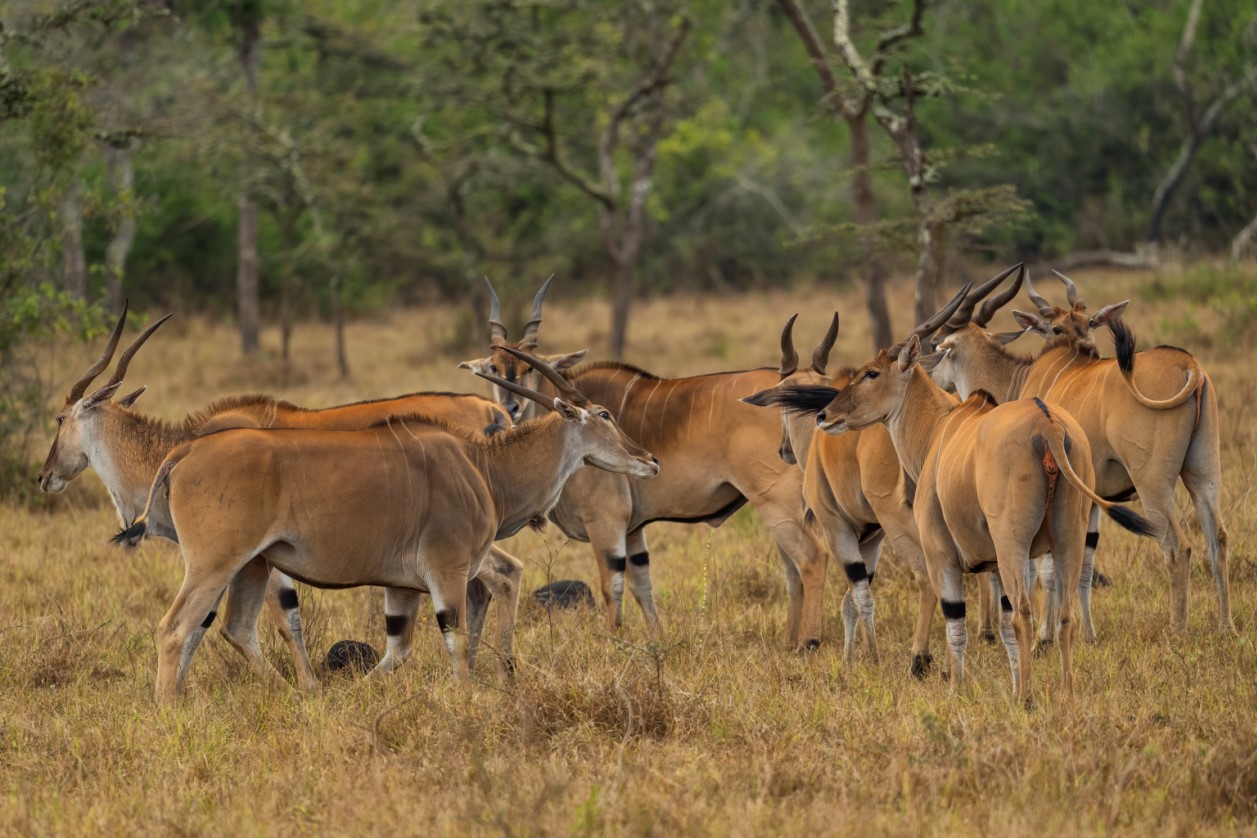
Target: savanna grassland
[(718, 729)]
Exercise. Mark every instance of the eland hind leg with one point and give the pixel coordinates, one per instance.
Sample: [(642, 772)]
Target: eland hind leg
[(246, 593), (1201, 475), (281, 597), (401, 608), (502, 574)]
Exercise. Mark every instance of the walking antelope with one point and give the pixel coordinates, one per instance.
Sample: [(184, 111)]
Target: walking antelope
[(410, 503), (717, 455), (995, 485), (1150, 422), (126, 449)]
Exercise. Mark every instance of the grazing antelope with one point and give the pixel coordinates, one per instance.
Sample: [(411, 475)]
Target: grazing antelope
[(717, 455), (1149, 423), (410, 503), (995, 485), (853, 486), (126, 449)]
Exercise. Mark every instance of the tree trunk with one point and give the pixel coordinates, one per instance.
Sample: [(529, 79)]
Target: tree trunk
[(621, 301), (1242, 239), (73, 258), (247, 285), (121, 165), (338, 323), (866, 216), (288, 235), (929, 268), (1167, 187)]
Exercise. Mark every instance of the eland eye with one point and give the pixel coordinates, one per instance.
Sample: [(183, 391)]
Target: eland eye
[(604, 415), (493, 368), (60, 420), (871, 374), (1058, 330)]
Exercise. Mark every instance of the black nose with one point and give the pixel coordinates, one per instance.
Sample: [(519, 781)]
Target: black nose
[(820, 417), (654, 460)]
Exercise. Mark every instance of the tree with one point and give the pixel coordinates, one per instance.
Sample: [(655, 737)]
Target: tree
[(893, 97), (582, 90), (852, 106), (1200, 125)]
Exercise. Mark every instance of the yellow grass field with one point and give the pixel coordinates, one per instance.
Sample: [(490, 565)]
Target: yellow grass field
[(719, 730)]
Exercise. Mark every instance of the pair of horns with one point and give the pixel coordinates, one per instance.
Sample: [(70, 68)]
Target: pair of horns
[(964, 311), (498, 330), (1071, 292), (124, 360), (820, 356), (566, 390)]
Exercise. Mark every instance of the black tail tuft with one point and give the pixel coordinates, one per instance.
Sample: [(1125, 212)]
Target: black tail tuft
[(1124, 344), (1133, 522), (132, 535), (794, 399)]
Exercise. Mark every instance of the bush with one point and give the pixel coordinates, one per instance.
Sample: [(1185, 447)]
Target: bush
[(32, 321)]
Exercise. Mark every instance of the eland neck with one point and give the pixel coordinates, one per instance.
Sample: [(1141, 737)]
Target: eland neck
[(918, 419)]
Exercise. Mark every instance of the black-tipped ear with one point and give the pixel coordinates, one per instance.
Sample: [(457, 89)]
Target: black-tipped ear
[(761, 399), (130, 398), (1108, 313), (1005, 338)]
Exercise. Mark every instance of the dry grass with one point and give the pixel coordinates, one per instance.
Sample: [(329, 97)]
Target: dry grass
[(720, 730)]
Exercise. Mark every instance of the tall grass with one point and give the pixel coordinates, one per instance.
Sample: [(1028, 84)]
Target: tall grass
[(715, 729)]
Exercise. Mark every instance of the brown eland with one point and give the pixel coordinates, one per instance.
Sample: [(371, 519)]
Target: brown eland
[(126, 449), (412, 503), (1151, 419)]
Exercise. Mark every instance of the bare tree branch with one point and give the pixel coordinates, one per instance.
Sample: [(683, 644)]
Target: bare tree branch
[(891, 39), (1180, 60), (820, 61)]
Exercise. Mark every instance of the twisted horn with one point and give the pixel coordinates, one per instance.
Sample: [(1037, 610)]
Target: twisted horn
[(962, 314), (519, 389), (534, 322), (497, 332), (940, 317), (1045, 308), (789, 358), (76, 392), (1000, 300), (1071, 290), (127, 354), (820, 357), (555, 377)]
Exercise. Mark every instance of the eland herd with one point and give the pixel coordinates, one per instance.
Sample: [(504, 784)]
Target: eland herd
[(968, 458)]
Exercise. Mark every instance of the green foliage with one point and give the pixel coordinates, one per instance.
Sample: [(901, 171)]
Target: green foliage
[(34, 321)]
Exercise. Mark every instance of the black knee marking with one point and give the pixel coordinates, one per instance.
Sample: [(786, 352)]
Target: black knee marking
[(1093, 539), (395, 624), (640, 559), (288, 599), (870, 580), (953, 610), (209, 621), (856, 572), (1005, 603), (616, 564), (446, 619)]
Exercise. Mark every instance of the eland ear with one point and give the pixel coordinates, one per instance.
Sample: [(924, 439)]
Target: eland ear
[(1005, 338), (568, 411), (101, 396), (565, 361), (130, 398), (478, 365), (929, 362), (1108, 314), (910, 355), (1032, 323)]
